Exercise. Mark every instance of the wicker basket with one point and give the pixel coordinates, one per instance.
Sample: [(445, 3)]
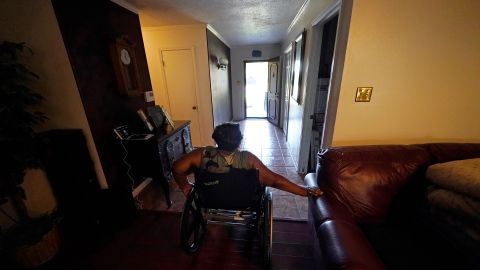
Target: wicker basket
[(40, 252)]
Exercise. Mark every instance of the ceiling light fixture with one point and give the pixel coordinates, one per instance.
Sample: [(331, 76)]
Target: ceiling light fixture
[(222, 63)]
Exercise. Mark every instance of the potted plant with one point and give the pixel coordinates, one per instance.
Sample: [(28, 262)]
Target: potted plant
[(32, 241)]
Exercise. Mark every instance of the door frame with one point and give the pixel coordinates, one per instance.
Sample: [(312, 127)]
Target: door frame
[(281, 72), (344, 10), (286, 84), (343, 27), (195, 78)]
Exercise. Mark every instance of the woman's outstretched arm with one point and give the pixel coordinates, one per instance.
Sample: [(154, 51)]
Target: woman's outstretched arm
[(271, 179), (184, 166)]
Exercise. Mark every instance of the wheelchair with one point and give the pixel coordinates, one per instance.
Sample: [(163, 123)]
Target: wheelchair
[(232, 198)]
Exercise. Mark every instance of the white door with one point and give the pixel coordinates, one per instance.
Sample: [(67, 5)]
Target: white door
[(180, 82), (273, 95)]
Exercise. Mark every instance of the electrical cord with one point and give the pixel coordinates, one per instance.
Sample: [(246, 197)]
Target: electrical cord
[(8, 215), (138, 202), (129, 166)]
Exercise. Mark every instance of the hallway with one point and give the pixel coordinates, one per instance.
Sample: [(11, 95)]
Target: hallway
[(267, 142)]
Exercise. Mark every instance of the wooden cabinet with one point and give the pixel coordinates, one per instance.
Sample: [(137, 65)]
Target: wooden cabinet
[(154, 157), (172, 145)]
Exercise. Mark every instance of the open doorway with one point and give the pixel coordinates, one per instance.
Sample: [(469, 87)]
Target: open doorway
[(256, 88), (329, 33)]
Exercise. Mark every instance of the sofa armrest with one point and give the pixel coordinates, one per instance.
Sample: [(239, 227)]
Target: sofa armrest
[(327, 206), (341, 242), (344, 246)]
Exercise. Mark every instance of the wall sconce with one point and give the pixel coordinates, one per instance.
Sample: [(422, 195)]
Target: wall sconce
[(222, 63)]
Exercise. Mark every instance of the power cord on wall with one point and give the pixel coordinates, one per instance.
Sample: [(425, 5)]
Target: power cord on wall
[(8, 215), (138, 202)]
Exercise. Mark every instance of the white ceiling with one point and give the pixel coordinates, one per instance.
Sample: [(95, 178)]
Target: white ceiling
[(239, 22)]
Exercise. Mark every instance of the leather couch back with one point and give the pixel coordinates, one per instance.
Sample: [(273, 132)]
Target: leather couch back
[(367, 178), (445, 152)]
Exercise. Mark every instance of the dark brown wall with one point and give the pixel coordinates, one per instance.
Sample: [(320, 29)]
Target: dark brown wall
[(88, 28), (220, 80)]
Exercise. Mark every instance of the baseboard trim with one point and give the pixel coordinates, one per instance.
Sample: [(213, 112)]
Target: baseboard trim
[(140, 187)]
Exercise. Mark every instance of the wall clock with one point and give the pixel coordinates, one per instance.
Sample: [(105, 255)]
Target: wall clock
[(125, 66)]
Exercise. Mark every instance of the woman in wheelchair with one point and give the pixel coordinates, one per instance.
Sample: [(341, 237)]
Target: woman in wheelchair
[(230, 188), (220, 159)]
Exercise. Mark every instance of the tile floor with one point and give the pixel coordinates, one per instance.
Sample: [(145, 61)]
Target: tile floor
[(268, 143)]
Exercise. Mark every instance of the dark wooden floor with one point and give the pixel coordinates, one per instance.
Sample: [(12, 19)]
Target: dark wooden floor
[(151, 242)]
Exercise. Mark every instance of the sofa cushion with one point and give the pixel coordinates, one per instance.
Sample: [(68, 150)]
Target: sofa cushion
[(415, 245), (366, 178), (458, 205), (462, 176)]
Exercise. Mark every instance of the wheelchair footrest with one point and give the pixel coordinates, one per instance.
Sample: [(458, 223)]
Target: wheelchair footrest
[(230, 217)]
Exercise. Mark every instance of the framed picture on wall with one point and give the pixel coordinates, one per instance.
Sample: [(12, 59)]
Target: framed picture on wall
[(298, 47)]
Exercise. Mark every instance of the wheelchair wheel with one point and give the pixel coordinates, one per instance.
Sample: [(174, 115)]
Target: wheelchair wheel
[(266, 229), (193, 225)]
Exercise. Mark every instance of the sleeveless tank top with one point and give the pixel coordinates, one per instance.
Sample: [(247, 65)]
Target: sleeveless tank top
[(214, 162)]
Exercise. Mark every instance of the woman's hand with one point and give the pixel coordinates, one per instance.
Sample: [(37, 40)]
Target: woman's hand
[(186, 189), (314, 192)]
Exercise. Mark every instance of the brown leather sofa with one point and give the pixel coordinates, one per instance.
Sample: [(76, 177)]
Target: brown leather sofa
[(374, 215)]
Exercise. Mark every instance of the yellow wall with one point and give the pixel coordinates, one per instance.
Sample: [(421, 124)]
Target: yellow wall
[(423, 60), (34, 22), (181, 37)]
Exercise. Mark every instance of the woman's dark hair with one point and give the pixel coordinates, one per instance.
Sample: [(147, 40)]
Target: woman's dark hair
[(227, 136)]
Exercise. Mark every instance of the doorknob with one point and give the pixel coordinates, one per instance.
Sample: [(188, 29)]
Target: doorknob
[(194, 107)]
